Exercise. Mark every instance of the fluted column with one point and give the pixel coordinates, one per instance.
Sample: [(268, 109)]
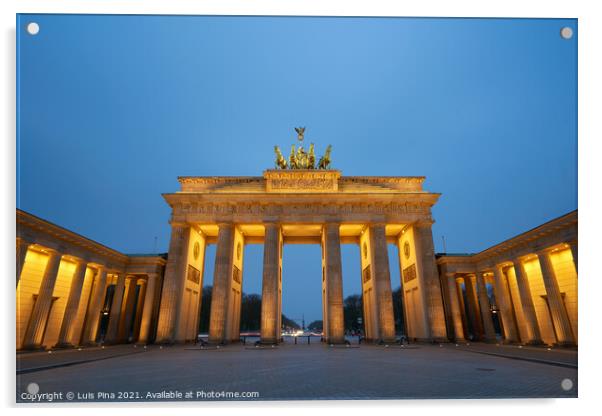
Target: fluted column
[(473, 308), (137, 318), (222, 279), (77, 283), (269, 290), (465, 318), (526, 300), (335, 331), (485, 308), (22, 247), (560, 318), (114, 318), (37, 322), (575, 252), (503, 300), (147, 311), (425, 255), (125, 323), (455, 307), (173, 283), (96, 301), (382, 280)]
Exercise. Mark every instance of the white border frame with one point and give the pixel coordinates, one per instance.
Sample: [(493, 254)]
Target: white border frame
[(590, 135)]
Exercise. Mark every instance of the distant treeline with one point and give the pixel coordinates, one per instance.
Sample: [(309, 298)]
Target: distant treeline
[(250, 319)]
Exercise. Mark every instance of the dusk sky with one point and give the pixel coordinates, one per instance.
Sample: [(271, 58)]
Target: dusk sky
[(112, 109)]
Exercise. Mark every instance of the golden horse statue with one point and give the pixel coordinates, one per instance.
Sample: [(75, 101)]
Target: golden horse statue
[(280, 160), (324, 162), (293, 163), (311, 157)]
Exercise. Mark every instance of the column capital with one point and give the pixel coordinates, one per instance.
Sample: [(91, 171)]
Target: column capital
[(331, 225), (423, 223), (24, 240), (179, 224), (451, 275), (543, 251)]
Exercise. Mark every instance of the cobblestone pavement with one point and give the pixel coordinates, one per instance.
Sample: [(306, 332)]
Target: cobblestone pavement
[(292, 372)]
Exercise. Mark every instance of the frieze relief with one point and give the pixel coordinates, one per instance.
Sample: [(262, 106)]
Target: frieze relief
[(301, 209)]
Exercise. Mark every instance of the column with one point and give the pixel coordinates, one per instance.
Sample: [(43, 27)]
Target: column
[(270, 331), (115, 314), (462, 306), (147, 311), (558, 313), (335, 330), (574, 252), (425, 256), (454, 304), (382, 280), (524, 290), (173, 283), (138, 313), (125, 323), (96, 301), (473, 308), (37, 322), (222, 278), (77, 282), (503, 300), (22, 247), (485, 308)]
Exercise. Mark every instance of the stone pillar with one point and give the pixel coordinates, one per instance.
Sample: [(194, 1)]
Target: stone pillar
[(96, 301), (77, 283), (560, 318), (114, 318), (382, 280), (485, 309), (574, 252), (138, 313), (22, 247), (502, 297), (222, 279), (272, 252), (125, 323), (456, 314), (524, 290), (473, 309), (425, 255), (335, 330), (173, 283), (37, 322), (462, 306), (147, 311)]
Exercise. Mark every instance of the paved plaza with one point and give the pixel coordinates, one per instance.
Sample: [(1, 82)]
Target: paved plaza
[(296, 372)]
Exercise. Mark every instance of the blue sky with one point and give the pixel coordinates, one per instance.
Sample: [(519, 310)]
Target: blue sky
[(111, 109)]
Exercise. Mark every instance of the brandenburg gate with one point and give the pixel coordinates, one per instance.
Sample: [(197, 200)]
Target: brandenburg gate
[(73, 291), (300, 202)]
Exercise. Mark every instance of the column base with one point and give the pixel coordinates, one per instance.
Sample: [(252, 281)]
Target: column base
[(32, 348), (535, 343), (64, 346), (565, 344)]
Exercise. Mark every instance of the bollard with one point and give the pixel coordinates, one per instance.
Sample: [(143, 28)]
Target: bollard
[(295, 340), (308, 340)]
